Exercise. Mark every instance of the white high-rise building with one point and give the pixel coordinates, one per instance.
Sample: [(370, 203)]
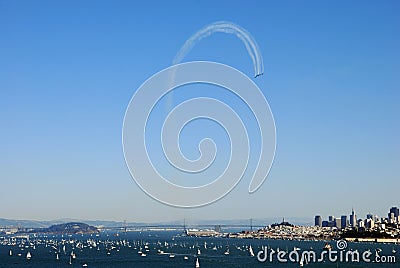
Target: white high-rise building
[(353, 219)]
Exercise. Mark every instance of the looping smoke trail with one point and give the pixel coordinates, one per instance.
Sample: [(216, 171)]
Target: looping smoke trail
[(230, 28), (146, 173)]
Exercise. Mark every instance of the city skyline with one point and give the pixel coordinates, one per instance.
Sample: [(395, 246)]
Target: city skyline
[(69, 69), (342, 222)]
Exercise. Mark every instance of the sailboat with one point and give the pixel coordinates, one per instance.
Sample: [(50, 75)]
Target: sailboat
[(251, 251), (28, 256), (197, 263)]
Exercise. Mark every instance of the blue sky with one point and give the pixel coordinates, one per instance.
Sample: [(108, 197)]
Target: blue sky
[(69, 68)]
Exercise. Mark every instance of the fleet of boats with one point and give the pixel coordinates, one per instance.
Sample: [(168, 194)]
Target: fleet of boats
[(73, 249), (68, 248)]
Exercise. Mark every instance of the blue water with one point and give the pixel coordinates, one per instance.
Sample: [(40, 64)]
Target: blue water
[(123, 251)]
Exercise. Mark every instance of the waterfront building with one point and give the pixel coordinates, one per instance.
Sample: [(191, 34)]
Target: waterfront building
[(395, 212), (360, 223), (331, 218), (369, 223), (392, 218), (338, 223), (318, 221), (343, 221)]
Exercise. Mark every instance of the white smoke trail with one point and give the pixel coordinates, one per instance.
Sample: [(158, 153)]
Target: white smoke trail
[(230, 28)]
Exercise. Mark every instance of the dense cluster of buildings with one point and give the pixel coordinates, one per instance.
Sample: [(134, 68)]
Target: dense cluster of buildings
[(287, 231), (371, 221), (8, 230)]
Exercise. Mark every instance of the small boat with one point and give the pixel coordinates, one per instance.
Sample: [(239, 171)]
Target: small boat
[(57, 258), (28, 256), (198, 251), (393, 251), (84, 265), (197, 263), (227, 251), (143, 255), (185, 257), (327, 247), (10, 253), (172, 255)]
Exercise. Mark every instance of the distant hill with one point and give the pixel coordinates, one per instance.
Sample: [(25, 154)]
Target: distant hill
[(71, 228), (46, 224), (64, 228)]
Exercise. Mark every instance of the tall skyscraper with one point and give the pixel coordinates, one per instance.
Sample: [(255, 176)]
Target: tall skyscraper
[(318, 221), (395, 211), (343, 222), (331, 218), (353, 219)]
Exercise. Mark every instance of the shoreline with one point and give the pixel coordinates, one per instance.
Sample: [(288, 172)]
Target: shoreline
[(374, 240)]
